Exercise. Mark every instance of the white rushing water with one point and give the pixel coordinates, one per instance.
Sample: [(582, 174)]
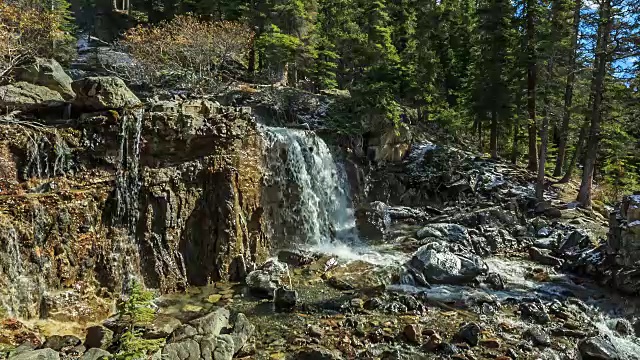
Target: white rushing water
[(308, 198)]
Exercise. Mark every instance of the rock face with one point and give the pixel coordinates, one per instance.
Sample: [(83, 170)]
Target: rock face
[(103, 93), (24, 96), (623, 245), (197, 188), (47, 73)]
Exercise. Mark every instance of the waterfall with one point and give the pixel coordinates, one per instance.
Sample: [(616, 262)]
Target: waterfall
[(128, 181), (306, 190)]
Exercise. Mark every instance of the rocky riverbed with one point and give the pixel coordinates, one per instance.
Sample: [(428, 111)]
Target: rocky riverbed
[(264, 242)]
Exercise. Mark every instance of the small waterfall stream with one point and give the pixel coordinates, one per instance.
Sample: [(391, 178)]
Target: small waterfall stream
[(306, 190), (128, 173)]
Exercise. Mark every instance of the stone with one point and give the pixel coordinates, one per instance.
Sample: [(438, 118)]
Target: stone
[(373, 304), (184, 350), (444, 267), (103, 93), (295, 258), (546, 209), (490, 343), (161, 327), (636, 328), (536, 312), (495, 281), (450, 232), (183, 331), (268, 278), (42, 354), (623, 327), (537, 336), (572, 241), (317, 353), (217, 347), (48, 73), (242, 331), (469, 333), (24, 96), (285, 298), (597, 348), (98, 337), (212, 323), (544, 257), (57, 342), (95, 354), (315, 331), (413, 333)]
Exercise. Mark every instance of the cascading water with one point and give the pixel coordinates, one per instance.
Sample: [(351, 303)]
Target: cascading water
[(306, 190), (128, 173)]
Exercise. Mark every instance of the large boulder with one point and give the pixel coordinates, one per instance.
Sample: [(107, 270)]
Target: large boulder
[(212, 323), (43, 354), (24, 96), (47, 73), (440, 266), (103, 93), (268, 278), (598, 348)]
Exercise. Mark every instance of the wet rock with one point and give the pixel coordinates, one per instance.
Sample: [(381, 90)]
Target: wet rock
[(544, 257), (95, 354), (43, 354), (24, 96), (317, 353), (410, 302), (413, 333), (284, 298), (268, 278), (98, 337), (373, 304), (469, 333), (47, 73), (495, 281), (537, 336), (315, 331), (184, 350), (218, 347), (57, 342), (573, 241), (636, 328), (536, 312), (598, 348), (242, 331), (212, 323), (183, 332), (546, 209), (544, 232), (451, 232), (339, 284), (623, 327), (490, 343), (444, 267), (433, 343), (103, 93), (161, 327), (295, 258)]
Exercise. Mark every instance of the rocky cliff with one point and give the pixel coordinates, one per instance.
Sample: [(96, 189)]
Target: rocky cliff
[(169, 194)]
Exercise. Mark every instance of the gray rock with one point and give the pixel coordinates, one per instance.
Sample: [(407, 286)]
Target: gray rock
[(98, 337), (212, 323), (317, 353), (26, 346), (268, 278), (536, 312), (184, 350), (161, 327), (573, 241), (284, 298), (47, 73), (451, 232), (469, 333), (42, 354), (295, 258), (182, 332), (103, 93), (57, 342), (219, 347), (598, 348), (95, 354), (623, 327), (443, 267), (242, 331), (544, 257), (636, 328), (495, 281), (24, 96), (537, 336)]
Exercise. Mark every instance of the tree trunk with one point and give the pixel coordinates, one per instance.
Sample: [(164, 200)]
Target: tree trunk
[(605, 26), (544, 134), (531, 86), (579, 145), (568, 92), (493, 142)]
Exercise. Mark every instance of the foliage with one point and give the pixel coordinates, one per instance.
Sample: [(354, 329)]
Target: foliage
[(138, 309), (29, 30), (187, 52)]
